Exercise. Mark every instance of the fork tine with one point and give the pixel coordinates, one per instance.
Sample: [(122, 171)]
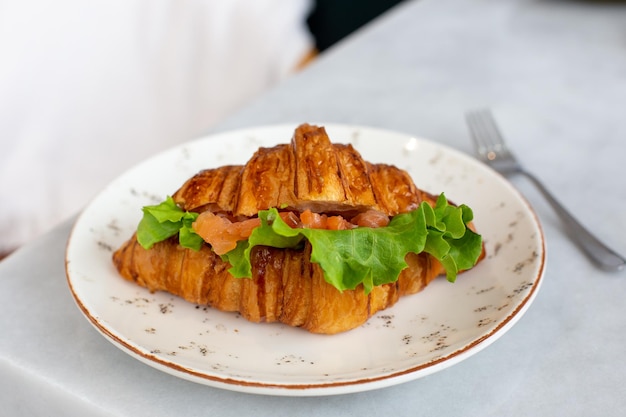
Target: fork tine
[(485, 134), (476, 131)]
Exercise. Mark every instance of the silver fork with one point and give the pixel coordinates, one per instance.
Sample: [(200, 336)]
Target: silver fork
[(492, 150)]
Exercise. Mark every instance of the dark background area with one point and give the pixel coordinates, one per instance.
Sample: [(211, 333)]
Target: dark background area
[(332, 20)]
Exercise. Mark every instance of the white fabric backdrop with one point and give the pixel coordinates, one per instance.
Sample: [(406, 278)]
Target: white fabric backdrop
[(89, 88)]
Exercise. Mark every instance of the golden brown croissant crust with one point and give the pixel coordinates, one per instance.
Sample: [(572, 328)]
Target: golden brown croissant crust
[(309, 173)]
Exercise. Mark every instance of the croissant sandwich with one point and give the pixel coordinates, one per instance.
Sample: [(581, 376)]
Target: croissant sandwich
[(306, 233)]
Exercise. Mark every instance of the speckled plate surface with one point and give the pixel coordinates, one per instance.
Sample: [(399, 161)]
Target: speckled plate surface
[(421, 334)]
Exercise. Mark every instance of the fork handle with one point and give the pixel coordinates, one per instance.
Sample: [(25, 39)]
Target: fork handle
[(597, 251)]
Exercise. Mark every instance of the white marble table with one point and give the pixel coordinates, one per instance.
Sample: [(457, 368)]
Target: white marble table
[(555, 74)]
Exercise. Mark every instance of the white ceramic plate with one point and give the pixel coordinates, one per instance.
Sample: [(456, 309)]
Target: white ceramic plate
[(421, 334)]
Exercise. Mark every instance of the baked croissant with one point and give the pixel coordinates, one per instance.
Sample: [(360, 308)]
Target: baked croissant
[(308, 174)]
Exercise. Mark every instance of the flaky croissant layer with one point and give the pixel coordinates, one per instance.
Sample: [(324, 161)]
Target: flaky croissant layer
[(285, 286)]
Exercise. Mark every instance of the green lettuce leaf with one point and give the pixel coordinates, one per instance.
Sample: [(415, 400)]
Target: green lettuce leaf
[(449, 240), (164, 220), (367, 256)]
